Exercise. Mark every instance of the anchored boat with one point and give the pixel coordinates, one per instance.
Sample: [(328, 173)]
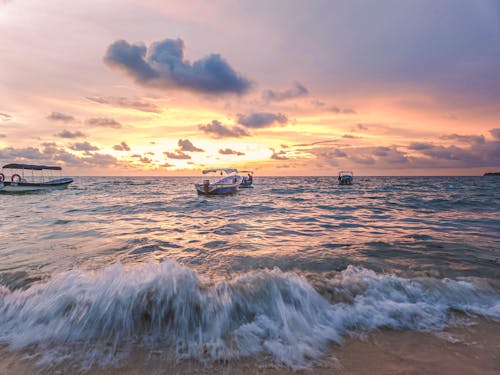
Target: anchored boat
[(28, 177), (345, 177), (226, 181), (247, 181)]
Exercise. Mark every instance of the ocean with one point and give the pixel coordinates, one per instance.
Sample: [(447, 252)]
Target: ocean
[(285, 275)]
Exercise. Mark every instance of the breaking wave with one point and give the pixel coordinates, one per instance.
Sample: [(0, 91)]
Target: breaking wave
[(267, 312)]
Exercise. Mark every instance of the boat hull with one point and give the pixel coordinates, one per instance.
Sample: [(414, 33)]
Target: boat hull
[(246, 184), (21, 187), (216, 190)]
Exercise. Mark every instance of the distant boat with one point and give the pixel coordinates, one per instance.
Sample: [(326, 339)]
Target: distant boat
[(228, 182), (492, 174), (247, 181), (345, 178), (28, 177)]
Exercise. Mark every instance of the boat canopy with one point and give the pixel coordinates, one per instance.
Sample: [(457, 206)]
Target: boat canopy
[(215, 170), (346, 173), (31, 167), (246, 172)]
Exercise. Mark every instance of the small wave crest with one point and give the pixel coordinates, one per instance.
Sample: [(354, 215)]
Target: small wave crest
[(267, 312)]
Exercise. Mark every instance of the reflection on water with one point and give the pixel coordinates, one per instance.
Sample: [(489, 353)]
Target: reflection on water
[(422, 225)]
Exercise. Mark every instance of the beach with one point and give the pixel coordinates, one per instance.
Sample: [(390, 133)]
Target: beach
[(468, 350), (387, 276)]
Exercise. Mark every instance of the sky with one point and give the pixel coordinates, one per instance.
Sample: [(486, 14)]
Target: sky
[(295, 87)]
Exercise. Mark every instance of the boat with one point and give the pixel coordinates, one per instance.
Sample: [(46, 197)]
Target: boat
[(228, 182), (247, 181), (345, 177), (28, 177)]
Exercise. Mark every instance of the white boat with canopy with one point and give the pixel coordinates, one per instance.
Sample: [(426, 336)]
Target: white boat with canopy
[(29, 177), (345, 177), (219, 181)]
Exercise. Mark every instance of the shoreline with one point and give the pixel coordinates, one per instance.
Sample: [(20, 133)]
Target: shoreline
[(470, 349)]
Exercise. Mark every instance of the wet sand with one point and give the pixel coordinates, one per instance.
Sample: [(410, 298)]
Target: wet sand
[(473, 349)]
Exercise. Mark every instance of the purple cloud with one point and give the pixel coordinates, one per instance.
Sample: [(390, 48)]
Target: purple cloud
[(261, 119), (296, 91), (217, 130), (163, 65)]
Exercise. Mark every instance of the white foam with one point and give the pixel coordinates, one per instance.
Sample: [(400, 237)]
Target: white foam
[(268, 312)]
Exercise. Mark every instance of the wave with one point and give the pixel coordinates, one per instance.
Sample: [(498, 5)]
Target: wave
[(259, 313)]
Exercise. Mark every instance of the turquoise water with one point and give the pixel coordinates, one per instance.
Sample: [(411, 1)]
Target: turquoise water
[(117, 262)]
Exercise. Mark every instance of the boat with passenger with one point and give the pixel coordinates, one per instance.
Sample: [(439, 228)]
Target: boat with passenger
[(345, 177), (219, 181), (29, 177), (247, 181)]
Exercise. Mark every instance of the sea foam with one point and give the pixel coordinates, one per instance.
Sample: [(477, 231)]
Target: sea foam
[(263, 312)]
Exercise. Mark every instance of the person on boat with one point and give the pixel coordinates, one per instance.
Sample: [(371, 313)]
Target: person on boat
[(250, 177), (340, 178)]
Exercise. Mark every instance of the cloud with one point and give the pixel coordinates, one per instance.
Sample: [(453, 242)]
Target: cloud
[(381, 151), (228, 151), (83, 146), (465, 138), (142, 159), (134, 103), (179, 155), (104, 122), (5, 116), (162, 65), (367, 160), (346, 111), (495, 132), (58, 116), (217, 130), (187, 146), (280, 155), (296, 91), (3, 136), (121, 147), (261, 119), (68, 134), (51, 153), (166, 165), (418, 146)]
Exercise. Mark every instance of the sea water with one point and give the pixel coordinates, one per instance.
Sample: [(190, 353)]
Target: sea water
[(281, 270)]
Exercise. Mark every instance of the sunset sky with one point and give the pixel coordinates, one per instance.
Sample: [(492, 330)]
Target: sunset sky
[(281, 87)]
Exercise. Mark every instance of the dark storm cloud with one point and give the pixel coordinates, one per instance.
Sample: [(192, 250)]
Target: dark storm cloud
[(296, 91), (163, 66), (104, 122), (495, 133), (83, 146), (58, 116), (133, 103), (261, 119), (179, 155), (69, 134), (121, 147), (228, 151), (217, 130), (187, 146)]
